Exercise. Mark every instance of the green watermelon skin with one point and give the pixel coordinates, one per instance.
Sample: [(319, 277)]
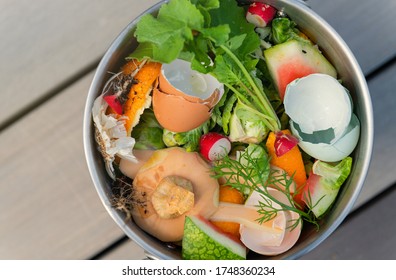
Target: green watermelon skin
[(295, 59), (203, 241)]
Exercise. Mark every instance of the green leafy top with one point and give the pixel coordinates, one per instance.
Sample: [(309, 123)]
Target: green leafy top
[(216, 38), (284, 29)]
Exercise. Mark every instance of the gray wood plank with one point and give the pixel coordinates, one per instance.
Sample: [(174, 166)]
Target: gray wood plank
[(49, 208), (366, 235), (128, 250), (367, 28), (46, 42), (381, 174)]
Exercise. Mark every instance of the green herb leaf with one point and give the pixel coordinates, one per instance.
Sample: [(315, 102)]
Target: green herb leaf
[(167, 33), (160, 30), (250, 172), (217, 34), (182, 11), (163, 40), (143, 51), (235, 42), (207, 4), (233, 15), (224, 71)]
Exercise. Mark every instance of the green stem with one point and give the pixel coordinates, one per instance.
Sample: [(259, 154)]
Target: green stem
[(240, 96), (258, 104), (266, 119), (259, 94)]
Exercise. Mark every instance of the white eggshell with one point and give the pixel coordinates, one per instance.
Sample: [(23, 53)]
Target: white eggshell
[(252, 240), (254, 237), (291, 236), (336, 151), (188, 81), (318, 102)]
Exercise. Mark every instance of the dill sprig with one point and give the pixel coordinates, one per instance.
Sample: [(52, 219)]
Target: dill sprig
[(249, 172)]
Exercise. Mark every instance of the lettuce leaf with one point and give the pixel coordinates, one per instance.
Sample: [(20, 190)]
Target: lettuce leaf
[(216, 38)]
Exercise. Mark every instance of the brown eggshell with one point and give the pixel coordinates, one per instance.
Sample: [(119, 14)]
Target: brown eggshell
[(176, 113), (166, 87), (184, 98)]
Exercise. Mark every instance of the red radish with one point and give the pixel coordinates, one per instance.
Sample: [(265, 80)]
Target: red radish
[(214, 146), (284, 143), (114, 103), (260, 14)]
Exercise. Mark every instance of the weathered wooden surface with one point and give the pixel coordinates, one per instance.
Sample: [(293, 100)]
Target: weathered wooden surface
[(368, 234), (46, 43), (49, 208), (367, 27)]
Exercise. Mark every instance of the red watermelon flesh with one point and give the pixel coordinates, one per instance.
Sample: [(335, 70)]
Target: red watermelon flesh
[(295, 59)]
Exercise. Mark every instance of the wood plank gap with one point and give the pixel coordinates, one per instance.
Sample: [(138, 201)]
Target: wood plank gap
[(375, 199), (381, 68), (364, 235), (121, 241), (20, 114)]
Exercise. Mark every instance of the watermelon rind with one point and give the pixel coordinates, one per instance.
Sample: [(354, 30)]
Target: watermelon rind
[(203, 241)]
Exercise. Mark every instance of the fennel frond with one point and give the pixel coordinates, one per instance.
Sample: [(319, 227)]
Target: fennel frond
[(249, 173)]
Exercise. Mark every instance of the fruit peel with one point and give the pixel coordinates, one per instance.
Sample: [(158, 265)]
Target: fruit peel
[(203, 241)]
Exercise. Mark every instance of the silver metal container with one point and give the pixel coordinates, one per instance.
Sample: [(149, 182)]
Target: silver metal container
[(349, 71)]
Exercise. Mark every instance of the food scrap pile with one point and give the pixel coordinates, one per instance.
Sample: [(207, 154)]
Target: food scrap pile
[(226, 130)]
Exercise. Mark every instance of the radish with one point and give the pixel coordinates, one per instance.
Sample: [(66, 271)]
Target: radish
[(260, 14), (114, 103), (284, 143), (214, 146)]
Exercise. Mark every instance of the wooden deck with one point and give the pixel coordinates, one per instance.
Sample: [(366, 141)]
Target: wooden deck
[(49, 208)]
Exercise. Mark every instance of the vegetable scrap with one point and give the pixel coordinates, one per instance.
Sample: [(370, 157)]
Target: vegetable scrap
[(204, 120)]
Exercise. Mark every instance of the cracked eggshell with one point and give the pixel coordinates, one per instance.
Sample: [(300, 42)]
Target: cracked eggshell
[(318, 102), (334, 152), (254, 240), (320, 111), (184, 98)]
